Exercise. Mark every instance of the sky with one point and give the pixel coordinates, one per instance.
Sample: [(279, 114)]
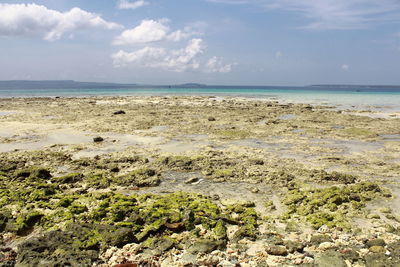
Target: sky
[(231, 42)]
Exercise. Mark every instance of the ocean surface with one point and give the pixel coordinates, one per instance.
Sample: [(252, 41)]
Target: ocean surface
[(374, 98)]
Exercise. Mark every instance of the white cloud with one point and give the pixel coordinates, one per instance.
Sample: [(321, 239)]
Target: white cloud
[(215, 64), (37, 20), (147, 31), (156, 57), (278, 54), (125, 4), (345, 67), (153, 31), (179, 60), (333, 14)]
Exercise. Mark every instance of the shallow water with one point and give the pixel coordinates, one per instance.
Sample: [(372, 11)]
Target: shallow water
[(5, 113), (117, 143), (350, 146), (39, 142), (391, 137), (344, 98), (287, 117)]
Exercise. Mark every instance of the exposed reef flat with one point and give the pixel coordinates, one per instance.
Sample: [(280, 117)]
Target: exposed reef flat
[(196, 181)]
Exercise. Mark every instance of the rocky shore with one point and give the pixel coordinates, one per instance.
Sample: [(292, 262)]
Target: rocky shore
[(196, 181)]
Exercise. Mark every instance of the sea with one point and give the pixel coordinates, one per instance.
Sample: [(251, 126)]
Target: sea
[(385, 99)]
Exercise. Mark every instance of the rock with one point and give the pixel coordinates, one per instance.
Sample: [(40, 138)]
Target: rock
[(256, 161), (235, 202), (326, 245), (319, 238), (226, 263), (377, 249), (324, 229), (7, 257), (376, 242), (277, 250), (119, 237), (188, 259), (192, 180), (273, 239), (385, 210), (119, 112), (98, 139), (211, 119), (329, 259), (254, 190), (294, 246), (54, 248), (126, 265), (373, 216), (378, 260), (159, 246), (215, 197), (206, 246)]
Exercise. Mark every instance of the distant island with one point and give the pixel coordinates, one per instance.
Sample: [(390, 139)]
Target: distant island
[(353, 86), (71, 84)]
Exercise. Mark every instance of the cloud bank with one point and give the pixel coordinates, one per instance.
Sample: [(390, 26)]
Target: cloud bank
[(333, 14), (36, 20), (125, 4), (178, 60), (152, 31)]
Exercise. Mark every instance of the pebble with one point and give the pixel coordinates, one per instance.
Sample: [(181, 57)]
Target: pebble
[(192, 180), (326, 245), (98, 139), (324, 229), (373, 216), (377, 249), (277, 250), (254, 190), (376, 242)]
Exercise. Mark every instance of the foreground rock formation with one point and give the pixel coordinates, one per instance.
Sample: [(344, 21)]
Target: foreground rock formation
[(256, 184)]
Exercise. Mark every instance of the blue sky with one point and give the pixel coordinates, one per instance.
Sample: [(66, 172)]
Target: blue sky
[(253, 42)]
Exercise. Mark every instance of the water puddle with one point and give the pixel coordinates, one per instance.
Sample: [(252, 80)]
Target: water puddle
[(391, 137), (287, 117), (119, 142), (5, 113), (155, 129), (179, 147), (351, 146), (38, 142), (256, 143), (338, 127)]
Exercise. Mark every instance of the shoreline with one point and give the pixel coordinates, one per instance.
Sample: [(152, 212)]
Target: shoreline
[(279, 184)]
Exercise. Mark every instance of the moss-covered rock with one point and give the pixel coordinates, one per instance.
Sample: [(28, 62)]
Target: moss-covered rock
[(140, 177), (328, 206)]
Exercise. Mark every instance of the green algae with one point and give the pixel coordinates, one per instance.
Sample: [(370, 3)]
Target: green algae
[(63, 210), (141, 177), (337, 177), (359, 132), (329, 206)]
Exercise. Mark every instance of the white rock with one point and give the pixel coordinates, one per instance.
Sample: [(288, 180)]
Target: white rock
[(225, 263), (326, 245), (324, 229)]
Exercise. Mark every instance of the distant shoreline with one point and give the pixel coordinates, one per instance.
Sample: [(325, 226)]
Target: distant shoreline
[(70, 84)]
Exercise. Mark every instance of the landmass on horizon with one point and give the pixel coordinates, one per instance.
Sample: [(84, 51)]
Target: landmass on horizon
[(71, 84)]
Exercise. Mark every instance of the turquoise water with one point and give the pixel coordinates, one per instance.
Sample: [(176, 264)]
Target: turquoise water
[(370, 98)]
